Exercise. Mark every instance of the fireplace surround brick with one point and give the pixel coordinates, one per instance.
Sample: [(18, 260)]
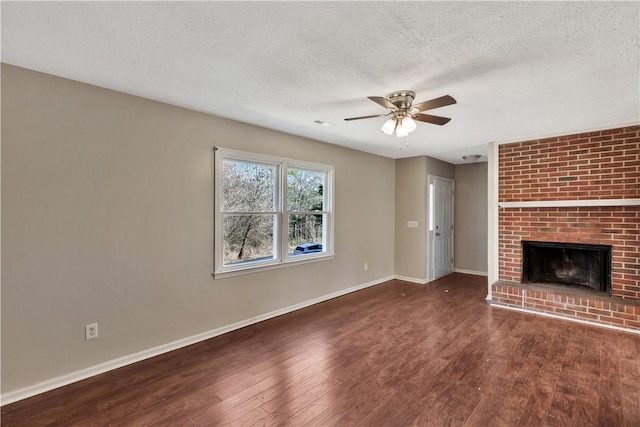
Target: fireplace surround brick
[(582, 305), (617, 226), (594, 165), (600, 165)]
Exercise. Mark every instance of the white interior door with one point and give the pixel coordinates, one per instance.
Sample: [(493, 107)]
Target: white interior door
[(441, 226)]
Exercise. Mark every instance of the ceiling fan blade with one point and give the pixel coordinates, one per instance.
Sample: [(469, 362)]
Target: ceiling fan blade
[(436, 120), (365, 117), (382, 101), (435, 103)]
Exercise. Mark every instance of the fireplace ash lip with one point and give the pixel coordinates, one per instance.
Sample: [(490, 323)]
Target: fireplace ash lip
[(573, 287)]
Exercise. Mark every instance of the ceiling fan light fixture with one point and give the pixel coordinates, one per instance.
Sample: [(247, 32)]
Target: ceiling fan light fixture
[(401, 132), (389, 126), (408, 124)]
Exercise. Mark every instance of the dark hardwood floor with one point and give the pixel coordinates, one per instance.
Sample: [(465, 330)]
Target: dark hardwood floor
[(392, 355)]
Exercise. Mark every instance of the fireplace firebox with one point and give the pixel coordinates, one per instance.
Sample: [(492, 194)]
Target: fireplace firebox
[(567, 264)]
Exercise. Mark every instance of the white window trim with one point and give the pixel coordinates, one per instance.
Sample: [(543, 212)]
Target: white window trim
[(282, 258)]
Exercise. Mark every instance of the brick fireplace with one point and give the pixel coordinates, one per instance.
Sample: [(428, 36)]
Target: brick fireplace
[(581, 189)]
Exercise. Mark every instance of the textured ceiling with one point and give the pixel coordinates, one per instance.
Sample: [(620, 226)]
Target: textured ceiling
[(519, 70)]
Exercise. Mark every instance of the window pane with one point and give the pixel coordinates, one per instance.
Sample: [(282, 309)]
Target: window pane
[(305, 190), (306, 234), (248, 238), (248, 187)]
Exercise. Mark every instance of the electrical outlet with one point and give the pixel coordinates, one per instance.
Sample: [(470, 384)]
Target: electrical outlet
[(91, 331), (366, 266)]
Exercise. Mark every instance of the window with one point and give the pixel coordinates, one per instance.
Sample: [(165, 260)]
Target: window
[(270, 212)]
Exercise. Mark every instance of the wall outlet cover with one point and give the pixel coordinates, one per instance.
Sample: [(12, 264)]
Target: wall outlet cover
[(91, 331)]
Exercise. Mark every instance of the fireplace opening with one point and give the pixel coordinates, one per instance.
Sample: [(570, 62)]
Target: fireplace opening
[(567, 264)]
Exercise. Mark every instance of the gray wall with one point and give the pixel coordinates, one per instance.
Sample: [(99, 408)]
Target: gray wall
[(107, 216), (471, 217), (439, 168), (411, 205)]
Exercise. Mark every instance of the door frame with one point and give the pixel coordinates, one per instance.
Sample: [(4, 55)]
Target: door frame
[(429, 225)]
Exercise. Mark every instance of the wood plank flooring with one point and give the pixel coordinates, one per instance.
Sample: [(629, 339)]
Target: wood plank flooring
[(393, 355)]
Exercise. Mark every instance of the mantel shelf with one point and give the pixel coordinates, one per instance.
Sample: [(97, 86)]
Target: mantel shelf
[(569, 203)]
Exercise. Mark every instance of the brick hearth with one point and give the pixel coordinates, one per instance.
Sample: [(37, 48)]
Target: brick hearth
[(597, 173)]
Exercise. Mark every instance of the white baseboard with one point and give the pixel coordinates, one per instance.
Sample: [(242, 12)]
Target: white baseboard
[(474, 272), (425, 281), (412, 279), (44, 386)]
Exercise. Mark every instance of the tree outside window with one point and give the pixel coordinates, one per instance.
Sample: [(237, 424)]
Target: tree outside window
[(270, 211), (248, 200), (305, 208)]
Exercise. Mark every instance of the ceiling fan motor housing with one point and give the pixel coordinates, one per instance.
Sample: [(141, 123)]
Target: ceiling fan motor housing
[(401, 99)]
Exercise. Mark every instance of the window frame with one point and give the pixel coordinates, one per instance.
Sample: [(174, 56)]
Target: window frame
[(281, 257)]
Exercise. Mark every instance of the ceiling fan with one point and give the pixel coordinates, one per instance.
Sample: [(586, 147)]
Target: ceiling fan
[(404, 113)]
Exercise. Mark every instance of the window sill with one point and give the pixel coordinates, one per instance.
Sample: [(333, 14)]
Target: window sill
[(239, 272)]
